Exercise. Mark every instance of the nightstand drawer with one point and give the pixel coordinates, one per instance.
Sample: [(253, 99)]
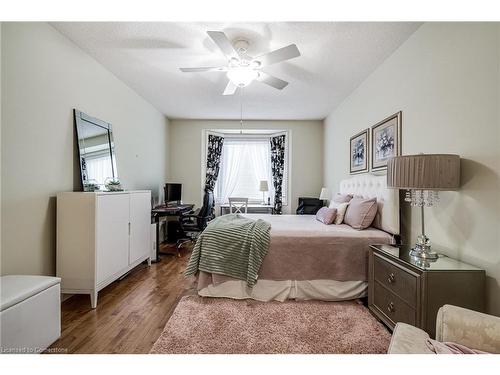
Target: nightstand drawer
[(393, 307), (397, 280)]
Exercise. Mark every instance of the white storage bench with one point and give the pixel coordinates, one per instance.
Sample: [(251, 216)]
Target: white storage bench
[(30, 313)]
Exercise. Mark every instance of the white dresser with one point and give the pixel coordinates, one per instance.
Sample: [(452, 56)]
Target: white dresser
[(100, 237)]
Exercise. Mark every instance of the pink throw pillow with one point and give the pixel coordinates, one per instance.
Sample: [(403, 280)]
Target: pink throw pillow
[(326, 215), (361, 212)]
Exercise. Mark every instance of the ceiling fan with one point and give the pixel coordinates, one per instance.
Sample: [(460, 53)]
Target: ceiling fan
[(243, 69)]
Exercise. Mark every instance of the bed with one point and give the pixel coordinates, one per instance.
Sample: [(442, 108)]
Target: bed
[(310, 260)]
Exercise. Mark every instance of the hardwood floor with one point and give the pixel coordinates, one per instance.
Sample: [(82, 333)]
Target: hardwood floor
[(130, 313)]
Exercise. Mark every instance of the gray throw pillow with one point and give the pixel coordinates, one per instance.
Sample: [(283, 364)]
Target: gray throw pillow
[(342, 198)]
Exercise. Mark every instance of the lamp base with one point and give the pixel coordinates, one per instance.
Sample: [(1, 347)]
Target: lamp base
[(422, 249)]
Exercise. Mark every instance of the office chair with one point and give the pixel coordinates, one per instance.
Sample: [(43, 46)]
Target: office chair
[(194, 222)]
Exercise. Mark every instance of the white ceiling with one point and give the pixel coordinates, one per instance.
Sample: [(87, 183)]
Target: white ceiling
[(336, 58)]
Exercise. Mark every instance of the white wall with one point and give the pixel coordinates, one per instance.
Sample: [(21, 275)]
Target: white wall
[(306, 155), (445, 79), (45, 76), (0, 137)]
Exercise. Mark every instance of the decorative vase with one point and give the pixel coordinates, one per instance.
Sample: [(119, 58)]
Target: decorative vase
[(91, 185), (113, 184)]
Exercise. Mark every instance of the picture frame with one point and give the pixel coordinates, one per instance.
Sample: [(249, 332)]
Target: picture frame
[(359, 145), (385, 141)]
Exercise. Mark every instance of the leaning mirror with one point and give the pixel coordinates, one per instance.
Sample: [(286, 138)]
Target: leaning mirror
[(96, 153)]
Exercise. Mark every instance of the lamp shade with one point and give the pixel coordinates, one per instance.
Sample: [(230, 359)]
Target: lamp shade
[(424, 172), (325, 194), (264, 186)]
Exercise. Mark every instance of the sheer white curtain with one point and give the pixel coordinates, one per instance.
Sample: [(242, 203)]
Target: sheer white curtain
[(260, 157), (99, 168), (229, 171), (244, 163)]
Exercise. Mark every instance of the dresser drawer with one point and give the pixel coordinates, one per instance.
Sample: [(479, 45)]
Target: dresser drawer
[(397, 280), (393, 307)]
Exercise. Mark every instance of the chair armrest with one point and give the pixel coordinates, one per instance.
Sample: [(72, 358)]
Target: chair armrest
[(192, 212), (407, 339), (190, 216), (188, 220), (467, 327)]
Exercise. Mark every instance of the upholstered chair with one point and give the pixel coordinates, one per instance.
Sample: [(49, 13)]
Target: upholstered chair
[(453, 324)]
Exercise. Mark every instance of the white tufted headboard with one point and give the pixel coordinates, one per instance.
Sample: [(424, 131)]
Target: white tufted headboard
[(370, 186)]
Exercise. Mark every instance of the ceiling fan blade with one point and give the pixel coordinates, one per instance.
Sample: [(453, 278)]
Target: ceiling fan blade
[(202, 69), (230, 88), (282, 54), (272, 81), (224, 44)]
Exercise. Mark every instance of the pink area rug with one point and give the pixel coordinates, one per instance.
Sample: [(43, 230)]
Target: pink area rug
[(216, 325)]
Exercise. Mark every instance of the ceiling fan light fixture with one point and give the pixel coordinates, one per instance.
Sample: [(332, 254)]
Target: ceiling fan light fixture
[(242, 69), (242, 76)]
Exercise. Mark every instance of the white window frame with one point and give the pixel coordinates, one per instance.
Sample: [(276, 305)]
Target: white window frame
[(253, 133)]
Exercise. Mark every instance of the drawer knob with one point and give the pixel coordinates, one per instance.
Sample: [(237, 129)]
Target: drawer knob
[(390, 307), (391, 278)]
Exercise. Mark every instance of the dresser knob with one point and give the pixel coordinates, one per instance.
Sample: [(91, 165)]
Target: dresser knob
[(391, 278), (390, 307)]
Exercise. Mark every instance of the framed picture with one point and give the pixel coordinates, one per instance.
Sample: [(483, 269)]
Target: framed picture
[(359, 152), (386, 141)]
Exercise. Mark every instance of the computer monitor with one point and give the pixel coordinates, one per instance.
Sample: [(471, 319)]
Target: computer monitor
[(173, 192)]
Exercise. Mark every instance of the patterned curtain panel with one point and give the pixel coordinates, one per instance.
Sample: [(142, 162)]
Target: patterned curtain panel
[(277, 168), (214, 151)]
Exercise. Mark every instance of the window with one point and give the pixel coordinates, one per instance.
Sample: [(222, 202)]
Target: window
[(245, 161)]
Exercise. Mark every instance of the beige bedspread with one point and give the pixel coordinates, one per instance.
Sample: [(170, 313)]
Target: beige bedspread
[(303, 248)]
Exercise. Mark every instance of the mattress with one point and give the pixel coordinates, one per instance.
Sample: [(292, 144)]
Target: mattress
[(306, 258)]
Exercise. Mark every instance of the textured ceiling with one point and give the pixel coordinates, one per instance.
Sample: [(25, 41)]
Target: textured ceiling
[(336, 58)]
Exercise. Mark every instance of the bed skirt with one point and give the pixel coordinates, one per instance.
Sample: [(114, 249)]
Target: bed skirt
[(271, 290)]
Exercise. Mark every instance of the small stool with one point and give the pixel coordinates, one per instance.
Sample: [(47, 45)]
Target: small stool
[(30, 313)]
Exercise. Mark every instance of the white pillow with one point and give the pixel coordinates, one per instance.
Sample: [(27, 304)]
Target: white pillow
[(341, 209)]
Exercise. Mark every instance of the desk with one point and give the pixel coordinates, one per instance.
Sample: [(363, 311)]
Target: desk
[(161, 211), (252, 208)]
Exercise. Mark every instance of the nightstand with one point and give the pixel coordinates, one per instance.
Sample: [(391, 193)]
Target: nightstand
[(403, 289)]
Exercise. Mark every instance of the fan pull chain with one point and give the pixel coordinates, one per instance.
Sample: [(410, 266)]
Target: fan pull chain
[(241, 110)]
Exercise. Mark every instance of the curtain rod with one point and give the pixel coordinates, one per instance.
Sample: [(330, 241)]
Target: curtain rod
[(245, 135), (259, 136)]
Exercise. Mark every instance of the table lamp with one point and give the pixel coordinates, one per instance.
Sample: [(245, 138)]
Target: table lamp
[(264, 187), (423, 176), (325, 194)]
